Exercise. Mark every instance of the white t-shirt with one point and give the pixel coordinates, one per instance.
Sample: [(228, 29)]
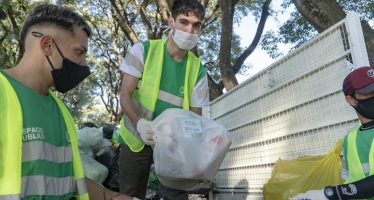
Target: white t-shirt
[(133, 64)]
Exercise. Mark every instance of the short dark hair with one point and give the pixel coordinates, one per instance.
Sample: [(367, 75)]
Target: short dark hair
[(45, 14), (187, 6)]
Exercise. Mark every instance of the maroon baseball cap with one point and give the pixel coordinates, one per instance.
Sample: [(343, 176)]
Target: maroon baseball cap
[(361, 80)]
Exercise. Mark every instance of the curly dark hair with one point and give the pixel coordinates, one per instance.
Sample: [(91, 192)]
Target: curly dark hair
[(49, 14), (186, 7)]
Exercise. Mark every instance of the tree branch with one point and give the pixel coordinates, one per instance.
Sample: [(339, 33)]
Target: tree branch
[(164, 10), (211, 12), (6, 31), (204, 3), (145, 20), (264, 15), (125, 27), (16, 32), (207, 23)]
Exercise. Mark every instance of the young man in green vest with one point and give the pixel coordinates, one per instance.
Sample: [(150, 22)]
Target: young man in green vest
[(39, 156), (358, 146), (159, 74)]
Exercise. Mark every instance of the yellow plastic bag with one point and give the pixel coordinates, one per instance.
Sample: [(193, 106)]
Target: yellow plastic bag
[(291, 177)]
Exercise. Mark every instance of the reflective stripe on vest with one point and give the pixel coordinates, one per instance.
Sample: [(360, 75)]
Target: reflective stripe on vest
[(167, 97), (11, 124), (145, 97), (43, 151), (355, 170), (66, 185), (170, 98), (10, 197)]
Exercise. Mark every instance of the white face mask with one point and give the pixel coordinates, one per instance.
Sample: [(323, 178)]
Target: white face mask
[(185, 40)]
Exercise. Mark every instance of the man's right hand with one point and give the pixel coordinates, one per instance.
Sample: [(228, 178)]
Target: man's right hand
[(146, 133)]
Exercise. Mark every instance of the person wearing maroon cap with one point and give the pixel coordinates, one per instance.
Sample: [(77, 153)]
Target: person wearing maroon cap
[(358, 150)]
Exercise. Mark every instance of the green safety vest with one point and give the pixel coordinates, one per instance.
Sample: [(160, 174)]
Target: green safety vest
[(355, 171), (11, 144), (145, 97)]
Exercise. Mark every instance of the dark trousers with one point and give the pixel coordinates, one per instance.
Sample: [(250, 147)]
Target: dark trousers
[(171, 194), (134, 170)]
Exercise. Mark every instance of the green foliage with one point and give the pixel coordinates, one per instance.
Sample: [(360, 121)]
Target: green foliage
[(246, 7), (364, 7), (296, 30), (81, 100), (11, 17), (107, 46), (270, 44), (97, 98)]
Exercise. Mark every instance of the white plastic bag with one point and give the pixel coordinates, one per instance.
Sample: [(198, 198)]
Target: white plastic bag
[(89, 136), (188, 149), (93, 169), (91, 141)]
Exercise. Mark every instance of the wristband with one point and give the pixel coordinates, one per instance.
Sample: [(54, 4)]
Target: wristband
[(331, 193)]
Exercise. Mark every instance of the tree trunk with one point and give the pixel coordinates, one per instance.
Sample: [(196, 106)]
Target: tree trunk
[(227, 70), (322, 14), (215, 90), (228, 77), (369, 40)]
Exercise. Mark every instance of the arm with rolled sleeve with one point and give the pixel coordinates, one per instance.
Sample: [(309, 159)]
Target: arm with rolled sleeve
[(132, 67)]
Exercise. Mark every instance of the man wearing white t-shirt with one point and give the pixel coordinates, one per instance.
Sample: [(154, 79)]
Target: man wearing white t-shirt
[(159, 74)]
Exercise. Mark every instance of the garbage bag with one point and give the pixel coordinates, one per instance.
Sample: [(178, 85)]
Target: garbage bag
[(108, 130), (105, 156), (93, 169), (90, 136), (91, 142), (291, 177), (188, 149), (87, 138), (112, 180)]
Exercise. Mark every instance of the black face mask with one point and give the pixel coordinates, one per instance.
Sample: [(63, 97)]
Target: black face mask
[(365, 107), (69, 75)]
